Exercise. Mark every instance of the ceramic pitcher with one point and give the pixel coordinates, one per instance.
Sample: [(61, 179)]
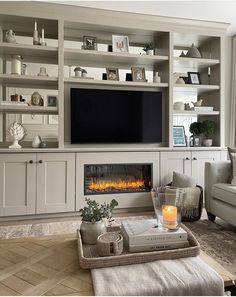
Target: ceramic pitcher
[(10, 36)]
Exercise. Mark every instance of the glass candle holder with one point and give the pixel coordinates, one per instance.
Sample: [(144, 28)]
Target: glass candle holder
[(168, 203)]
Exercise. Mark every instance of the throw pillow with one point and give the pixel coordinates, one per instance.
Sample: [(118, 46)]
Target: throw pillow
[(182, 181), (231, 151)]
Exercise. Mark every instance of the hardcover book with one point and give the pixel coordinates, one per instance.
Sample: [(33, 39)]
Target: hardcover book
[(141, 232), (158, 246)]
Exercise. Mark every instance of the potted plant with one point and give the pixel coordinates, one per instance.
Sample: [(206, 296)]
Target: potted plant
[(149, 49), (208, 130), (92, 219)]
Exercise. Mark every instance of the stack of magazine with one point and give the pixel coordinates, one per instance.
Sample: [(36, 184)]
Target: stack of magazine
[(144, 236)]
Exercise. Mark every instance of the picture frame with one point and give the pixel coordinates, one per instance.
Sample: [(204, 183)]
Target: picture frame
[(179, 137), (51, 100), (138, 74), (194, 78), (112, 73), (120, 44), (89, 43)]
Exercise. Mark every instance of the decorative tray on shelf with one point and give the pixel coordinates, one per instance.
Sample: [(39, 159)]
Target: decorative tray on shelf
[(89, 258)]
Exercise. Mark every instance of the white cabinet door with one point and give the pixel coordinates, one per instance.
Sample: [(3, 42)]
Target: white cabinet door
[(17, 184), (198, 163), (55, 182), (179, 161)]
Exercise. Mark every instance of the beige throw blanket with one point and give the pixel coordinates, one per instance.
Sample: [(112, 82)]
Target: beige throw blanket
[(182, 277)]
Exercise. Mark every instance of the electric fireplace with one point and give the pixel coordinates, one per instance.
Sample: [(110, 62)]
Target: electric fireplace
[(125, 176), (117, 178)]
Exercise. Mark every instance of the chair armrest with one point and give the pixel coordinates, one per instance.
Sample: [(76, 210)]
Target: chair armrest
[(215, 172)]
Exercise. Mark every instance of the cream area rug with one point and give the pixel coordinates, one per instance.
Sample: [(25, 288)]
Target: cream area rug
[(217, 241)]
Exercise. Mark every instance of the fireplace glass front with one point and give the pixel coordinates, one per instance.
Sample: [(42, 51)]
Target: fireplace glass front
[(117, 178)]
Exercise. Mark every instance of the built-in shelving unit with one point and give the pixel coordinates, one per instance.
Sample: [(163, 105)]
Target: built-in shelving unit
[(67, 30)]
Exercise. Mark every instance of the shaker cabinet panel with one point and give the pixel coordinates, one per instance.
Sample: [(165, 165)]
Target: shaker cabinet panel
[(198, 163), (174, 161), (55, 182), (17, 184)]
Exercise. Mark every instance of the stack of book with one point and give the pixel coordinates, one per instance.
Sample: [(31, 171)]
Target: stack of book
[(144, 236)]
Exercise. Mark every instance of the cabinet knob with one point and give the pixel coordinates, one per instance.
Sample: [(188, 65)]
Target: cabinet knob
[(40, 161), (187, 158), (194, 158), (31, 161)]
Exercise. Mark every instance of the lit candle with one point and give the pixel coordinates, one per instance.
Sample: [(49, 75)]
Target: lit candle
[(35, 26), (42, 35), (169, 214), (209, 71)]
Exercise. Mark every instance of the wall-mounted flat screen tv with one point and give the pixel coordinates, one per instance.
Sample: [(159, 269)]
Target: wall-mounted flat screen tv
[(115, 116)]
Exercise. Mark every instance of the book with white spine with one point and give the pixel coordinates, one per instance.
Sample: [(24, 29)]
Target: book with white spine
[(141, 232), (158, 246)]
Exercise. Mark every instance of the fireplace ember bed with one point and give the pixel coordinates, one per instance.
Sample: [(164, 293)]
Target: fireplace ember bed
[(117, 178)]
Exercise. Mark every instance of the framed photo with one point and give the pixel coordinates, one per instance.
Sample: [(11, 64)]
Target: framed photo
[(138, 74), (51, 100), (120, 43), (194, 78), (112, 73), (89, 43), (179, 138)]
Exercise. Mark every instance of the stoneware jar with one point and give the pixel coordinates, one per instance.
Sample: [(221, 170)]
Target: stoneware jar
[(91, 230), (16, 64)]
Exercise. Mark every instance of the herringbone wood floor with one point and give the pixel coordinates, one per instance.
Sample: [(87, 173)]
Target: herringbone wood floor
[(42, 266)]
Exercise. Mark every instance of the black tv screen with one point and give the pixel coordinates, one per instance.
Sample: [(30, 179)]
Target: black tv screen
[(115, 116)]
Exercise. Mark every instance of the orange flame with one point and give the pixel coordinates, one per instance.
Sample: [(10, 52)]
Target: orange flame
[(119, 184)]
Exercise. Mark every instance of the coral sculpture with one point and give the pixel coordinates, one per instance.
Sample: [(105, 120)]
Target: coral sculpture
[(16, 132)]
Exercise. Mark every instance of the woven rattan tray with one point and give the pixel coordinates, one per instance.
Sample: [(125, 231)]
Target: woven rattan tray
[(89, 258)]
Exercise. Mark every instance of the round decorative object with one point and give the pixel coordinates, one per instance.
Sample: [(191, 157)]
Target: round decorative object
[(110, 244), (91, 230), (16, 132), (193, 52), (179, 105)]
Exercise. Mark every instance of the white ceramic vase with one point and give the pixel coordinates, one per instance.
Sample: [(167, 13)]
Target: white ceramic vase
[(91, 230), (207, 142)]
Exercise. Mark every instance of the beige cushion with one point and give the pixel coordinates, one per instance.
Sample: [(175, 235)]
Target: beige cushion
[(182, 181), (225, 193)]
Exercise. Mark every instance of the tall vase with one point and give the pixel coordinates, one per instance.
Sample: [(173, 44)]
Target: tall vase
[(91, 230)]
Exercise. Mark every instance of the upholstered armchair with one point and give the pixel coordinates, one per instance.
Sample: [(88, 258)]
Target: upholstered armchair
[(220, 195)]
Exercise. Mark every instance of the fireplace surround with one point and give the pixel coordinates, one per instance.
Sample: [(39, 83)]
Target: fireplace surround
[(128, 177)]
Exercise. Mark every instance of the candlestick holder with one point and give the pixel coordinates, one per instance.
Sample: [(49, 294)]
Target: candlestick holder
[(168, 203), (209, 79)]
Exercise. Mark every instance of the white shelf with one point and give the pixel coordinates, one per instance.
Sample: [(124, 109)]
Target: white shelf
[(28, 109), (107, 59), (195, 62), (30, 53), (115, 83), (198, 88), (194, 113), (29, 81)]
